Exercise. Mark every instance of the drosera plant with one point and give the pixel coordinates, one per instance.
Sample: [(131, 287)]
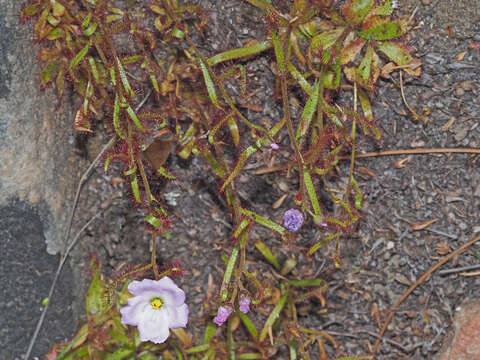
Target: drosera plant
[(110, 55)]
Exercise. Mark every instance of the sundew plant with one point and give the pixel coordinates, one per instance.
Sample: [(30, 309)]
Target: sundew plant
[(108, 53)]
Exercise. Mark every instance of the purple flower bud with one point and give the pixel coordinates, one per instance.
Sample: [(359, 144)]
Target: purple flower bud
[(222, 315), (274, 146), (244, 304), (292, 220)]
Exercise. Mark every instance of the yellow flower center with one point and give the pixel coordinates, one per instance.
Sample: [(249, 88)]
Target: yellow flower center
[(156, 303)]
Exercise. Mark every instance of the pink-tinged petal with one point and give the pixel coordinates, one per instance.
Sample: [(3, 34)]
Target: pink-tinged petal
[(131, 312), (244, 304), (171, 294), (222, 315), (178, 316), (154, 326)]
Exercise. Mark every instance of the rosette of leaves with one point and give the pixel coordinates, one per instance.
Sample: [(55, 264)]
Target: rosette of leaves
[(107, 54)]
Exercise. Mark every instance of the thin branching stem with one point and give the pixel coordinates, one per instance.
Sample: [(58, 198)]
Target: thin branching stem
[(286, 114), (225, 95), (154, 256), (352, 156)]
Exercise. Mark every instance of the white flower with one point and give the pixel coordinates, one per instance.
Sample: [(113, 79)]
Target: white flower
[(156, 307)]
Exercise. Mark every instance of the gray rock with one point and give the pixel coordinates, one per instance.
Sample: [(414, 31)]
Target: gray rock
[(27, 272), (38, 175), (37, 164)]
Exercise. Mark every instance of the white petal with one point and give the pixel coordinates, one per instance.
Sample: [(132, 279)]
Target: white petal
[(154, 326), (178, 316), (131, 313), (164, 288)]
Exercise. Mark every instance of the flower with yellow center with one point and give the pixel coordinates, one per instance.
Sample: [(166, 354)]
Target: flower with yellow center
[(156, 303), (156, 307)]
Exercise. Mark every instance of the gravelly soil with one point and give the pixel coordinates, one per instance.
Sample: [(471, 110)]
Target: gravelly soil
[(384, 255)]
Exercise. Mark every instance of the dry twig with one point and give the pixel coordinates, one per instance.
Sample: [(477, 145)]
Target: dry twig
[(414, 286)]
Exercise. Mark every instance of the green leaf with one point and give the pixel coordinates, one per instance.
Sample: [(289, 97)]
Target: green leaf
[(279, 54), (120, 353), (209, 84), (319, 244), (107, 163), (135, 189), (46, 74), (348, 53), (123, 77), (331, 79), (132, 59), (209, 332), (326, 39), (86, 21), (365, 104), (121, 337), (80, 55), (240, 228), (248, 324), (95, 291), (363, 70), (228, 273), (249, 151), (230, 341), (214, 164), (263, 221), (213, 131), (30, 10), (113, 76), (56, 33), (197, 349), (306, 282), (179, 34), (154, 82), (232, 125), (154, 221), (93, 66), (312, 194), (240, 52), (356, 10), (274, 315), (57, 9), (386, 9), (304, 84), (308, 111), (250, 356), (134, 118), (91, 29), (162, 171), (358, 194), (267, 254), (385, 31), (147, 356), (293, 350), (395, 53), (116, 118), (288, 266)]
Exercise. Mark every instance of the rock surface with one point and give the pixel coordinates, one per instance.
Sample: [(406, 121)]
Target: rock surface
[(27, 272), (38, 173), (36, 143), (464, 345)]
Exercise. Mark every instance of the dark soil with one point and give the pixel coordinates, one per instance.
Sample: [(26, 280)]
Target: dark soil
[(384, 255)]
